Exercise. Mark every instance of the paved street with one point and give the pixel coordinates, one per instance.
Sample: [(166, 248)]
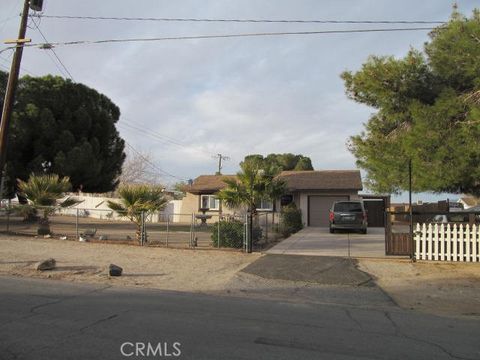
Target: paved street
[(44, 319), (319, 241)]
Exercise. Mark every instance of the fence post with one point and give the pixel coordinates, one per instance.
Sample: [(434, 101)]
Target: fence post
[(475, 242), (8, 217), (142, 234), (76, 224), (455, 243), (168, 223), (266, 226), (245, 231), (218, 232)]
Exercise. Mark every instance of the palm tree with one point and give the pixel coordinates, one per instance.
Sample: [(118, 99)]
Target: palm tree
[(137, 199), (44, 193), (253, 183)]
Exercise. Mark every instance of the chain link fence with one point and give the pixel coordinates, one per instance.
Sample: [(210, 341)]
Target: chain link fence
[(166, 230)]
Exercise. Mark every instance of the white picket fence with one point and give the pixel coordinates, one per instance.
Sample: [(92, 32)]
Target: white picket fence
[(447, 242)]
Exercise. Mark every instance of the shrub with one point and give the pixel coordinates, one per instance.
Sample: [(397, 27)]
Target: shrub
[(290, 220), (231, 234)]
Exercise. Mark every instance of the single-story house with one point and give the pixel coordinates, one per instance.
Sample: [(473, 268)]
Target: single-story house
[(312, 191), (469, 202)]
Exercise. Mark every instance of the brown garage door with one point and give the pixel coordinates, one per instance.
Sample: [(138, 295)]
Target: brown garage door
[(318, 208)]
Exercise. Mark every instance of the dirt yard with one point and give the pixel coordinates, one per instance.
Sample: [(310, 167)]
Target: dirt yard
[(169, 269), (441, 288), (451, 289)]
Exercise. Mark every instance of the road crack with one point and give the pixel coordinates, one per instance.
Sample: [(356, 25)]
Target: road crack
[(399, 333)]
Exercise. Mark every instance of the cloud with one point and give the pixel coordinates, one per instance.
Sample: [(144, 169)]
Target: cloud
[(229, 96)]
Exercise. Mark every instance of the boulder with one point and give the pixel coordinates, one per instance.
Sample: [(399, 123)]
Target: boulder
[(114, 270), (48, 264)]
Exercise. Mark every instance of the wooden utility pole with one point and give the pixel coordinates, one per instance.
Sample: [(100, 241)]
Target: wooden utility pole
[(10, 91), (220, 159)]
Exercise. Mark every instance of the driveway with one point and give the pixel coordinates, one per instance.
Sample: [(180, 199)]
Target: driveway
[(318, 241)]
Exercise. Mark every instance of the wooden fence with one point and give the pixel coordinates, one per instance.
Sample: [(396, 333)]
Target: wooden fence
[(447, 242)]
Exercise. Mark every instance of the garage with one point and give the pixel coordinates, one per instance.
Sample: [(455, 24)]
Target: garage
[(318, 208)]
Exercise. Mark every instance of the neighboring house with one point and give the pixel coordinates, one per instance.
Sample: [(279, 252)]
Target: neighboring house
[(95, 206), (469, 202), (312, 191)]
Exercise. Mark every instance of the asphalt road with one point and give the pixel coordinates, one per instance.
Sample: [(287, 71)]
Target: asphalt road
[(42, 319)]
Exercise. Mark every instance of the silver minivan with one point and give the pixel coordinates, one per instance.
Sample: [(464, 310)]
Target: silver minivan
[(348, 215)]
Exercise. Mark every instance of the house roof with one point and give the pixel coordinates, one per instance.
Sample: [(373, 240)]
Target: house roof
[(208, 184), (469, 201), (295, 180), (322, 180)]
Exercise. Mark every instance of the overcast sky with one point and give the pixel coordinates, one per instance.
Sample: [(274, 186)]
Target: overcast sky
[(236, 96)]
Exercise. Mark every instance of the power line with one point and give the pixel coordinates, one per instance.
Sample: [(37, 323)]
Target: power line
[(48, 45), (152, 164), (21, 67), (159, 137), (282, 21), (53, 51)]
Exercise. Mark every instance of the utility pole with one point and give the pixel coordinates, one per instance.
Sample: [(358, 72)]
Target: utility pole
[(10, 91), (220, 159), (410, 210)]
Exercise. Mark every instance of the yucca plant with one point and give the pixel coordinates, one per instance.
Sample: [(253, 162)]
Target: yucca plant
[(136, 199), (44, 193)]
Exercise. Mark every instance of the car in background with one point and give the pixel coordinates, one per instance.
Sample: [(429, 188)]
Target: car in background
[(348, 215), (454, 218)]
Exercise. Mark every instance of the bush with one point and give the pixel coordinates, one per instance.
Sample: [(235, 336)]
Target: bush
[(231, 234), (290, 220)]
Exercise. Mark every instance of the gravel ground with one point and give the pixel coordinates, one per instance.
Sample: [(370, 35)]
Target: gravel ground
[(169, 269), (451, 289), (441, 288)]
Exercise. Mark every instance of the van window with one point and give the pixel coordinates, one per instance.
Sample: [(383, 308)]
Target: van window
[(348, 207)]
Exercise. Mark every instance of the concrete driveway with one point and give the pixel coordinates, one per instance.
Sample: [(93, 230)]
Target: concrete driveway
[(318, 241)]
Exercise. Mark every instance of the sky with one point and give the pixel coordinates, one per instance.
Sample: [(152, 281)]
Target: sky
[(185, 101)]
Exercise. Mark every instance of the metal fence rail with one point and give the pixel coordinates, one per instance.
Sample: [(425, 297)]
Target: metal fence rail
[(171, 230)]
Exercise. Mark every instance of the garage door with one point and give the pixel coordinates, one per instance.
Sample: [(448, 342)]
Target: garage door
[(318, 208)]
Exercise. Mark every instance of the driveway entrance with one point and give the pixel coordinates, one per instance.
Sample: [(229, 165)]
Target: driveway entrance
[(319, 241)]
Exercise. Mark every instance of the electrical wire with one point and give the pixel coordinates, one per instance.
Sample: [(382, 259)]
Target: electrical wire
[(282, 21), (54, 53), (152, 164), (48, 45), (21, 67), (160, 137)]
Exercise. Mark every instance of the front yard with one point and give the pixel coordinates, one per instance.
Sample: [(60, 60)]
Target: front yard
[(169, 269)]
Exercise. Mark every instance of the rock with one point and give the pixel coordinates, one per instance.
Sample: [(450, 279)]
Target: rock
[(103, 237), (63, 238), (48, 236), (114, 270), (82, 239), (48, 264)]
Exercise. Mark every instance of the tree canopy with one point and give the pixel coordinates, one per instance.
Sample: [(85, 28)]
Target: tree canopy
[(283, 162), (254, 183), (427, 111), (64, 128)]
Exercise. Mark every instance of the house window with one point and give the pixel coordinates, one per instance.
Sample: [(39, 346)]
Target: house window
[(209, 202), (286, 200), (265, 204)]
